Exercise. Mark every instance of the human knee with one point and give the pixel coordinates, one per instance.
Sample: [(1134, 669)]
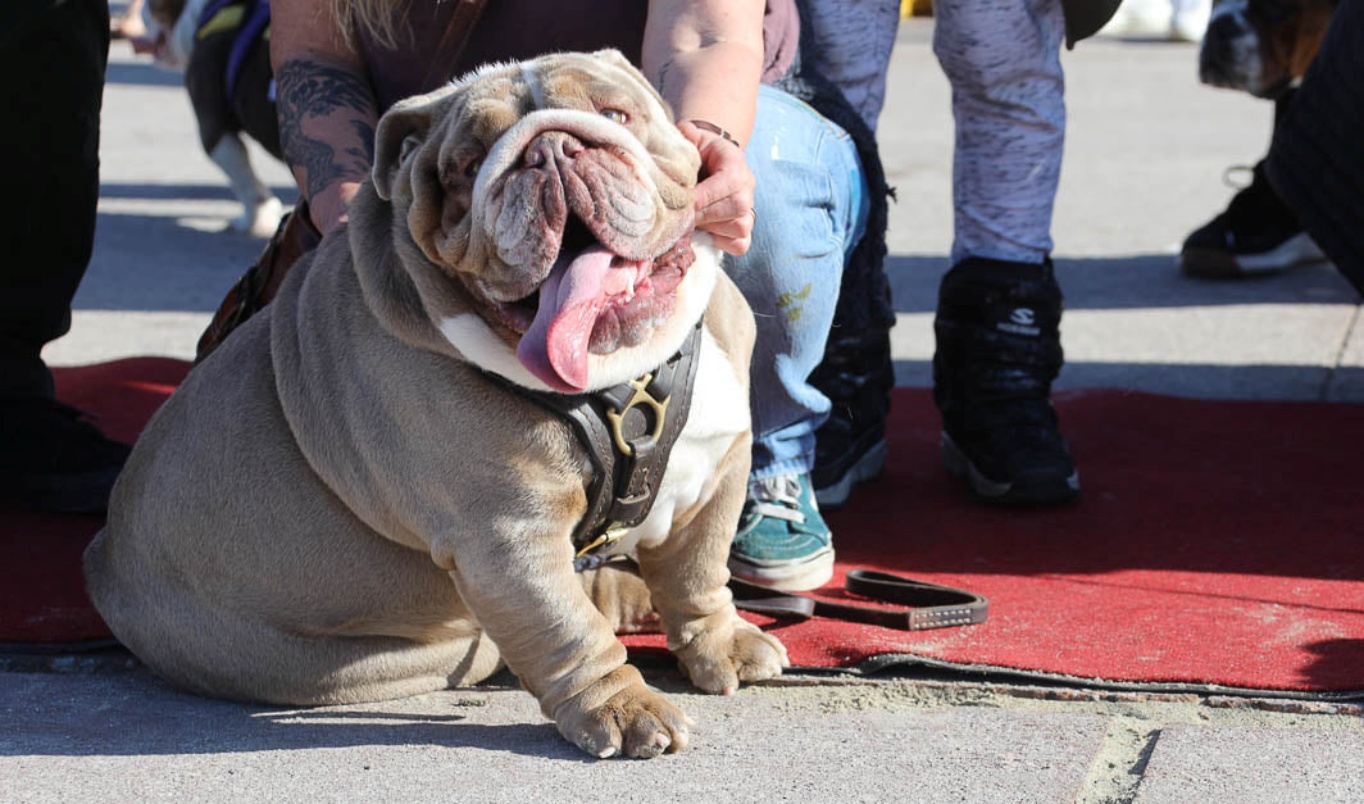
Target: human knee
[(809, 194), (1009, 48)]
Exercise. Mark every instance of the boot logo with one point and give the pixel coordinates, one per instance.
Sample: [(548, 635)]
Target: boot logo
[(1022, 321)]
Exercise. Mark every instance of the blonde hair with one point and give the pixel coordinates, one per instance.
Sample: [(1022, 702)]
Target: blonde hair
[(382, 20)]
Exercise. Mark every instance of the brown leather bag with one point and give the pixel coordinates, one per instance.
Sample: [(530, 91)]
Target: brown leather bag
[(295, 237), (296, 234)]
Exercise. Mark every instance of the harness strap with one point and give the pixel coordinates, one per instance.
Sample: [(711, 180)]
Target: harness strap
[(628, 431), (257, 20), (452, 42), (250, 18)]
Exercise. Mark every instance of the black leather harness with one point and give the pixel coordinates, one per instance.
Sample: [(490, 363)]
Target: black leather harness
[(628, 431)]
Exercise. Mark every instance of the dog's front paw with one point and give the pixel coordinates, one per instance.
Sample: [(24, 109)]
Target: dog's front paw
[(634, 722), (717, 659)]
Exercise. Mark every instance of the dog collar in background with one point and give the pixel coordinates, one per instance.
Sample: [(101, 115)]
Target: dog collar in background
[(628, 431)]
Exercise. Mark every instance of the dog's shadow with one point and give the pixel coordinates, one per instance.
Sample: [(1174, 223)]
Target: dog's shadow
[(136, 714), (341, 728)]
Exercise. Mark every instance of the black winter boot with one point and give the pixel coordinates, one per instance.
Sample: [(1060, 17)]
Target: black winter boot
[(998, 350), (850, 448), (53, 459)]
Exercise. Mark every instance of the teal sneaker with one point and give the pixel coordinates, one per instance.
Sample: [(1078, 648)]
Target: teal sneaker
[(783, 542)]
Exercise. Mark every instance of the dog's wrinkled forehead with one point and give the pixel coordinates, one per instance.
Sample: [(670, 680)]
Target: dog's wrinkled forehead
[(472, 112)]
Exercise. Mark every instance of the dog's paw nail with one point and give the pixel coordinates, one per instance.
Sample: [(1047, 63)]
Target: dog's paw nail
[(607, 752), (651, 747)]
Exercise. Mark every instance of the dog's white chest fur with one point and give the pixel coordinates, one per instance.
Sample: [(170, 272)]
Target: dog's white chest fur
[(719, 413)]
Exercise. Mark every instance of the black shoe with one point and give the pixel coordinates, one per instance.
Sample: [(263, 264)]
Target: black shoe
[(857, 375), (1257, 234), (998, 350), (1020, 460), (53, 460)]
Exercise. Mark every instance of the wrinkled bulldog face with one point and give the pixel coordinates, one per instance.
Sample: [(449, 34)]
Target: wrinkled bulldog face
[(558, 193)]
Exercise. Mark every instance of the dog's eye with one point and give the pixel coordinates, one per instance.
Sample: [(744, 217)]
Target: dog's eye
[(471, 169), (615, 116)]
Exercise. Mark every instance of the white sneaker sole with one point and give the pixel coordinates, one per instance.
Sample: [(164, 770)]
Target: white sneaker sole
[(993, 491), (868, 467), (786, 576), (1300, 249)]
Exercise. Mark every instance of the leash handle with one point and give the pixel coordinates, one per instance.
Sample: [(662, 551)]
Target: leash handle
[(915, 605)]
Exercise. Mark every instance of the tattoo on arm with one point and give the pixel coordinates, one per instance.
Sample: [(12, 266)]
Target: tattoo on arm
[(334, 102), (663, 77)]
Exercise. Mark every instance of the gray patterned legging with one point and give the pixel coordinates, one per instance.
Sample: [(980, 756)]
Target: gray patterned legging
[(1002, 58)]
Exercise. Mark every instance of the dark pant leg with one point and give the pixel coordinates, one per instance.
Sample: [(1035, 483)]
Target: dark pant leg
[(1281, 106), (206, 83), (1316, 161), (253, 102), (52, 56)]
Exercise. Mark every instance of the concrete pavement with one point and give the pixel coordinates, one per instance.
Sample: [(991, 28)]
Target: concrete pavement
[(1146, 152)]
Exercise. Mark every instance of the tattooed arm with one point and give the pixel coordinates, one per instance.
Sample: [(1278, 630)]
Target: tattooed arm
[(327, 110), (705, 58)]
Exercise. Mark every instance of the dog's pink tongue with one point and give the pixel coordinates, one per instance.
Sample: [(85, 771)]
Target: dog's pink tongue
[(554, 349)]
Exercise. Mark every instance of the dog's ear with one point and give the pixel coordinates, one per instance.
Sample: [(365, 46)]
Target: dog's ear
[(615, 57), (401, 130)]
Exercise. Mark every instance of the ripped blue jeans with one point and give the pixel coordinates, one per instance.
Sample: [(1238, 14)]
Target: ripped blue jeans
[(812, 205)]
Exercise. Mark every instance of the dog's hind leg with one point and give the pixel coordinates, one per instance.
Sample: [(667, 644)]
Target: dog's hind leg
[(622, 597), (261, 209), (406, 645), (304, 670), (353, 670)]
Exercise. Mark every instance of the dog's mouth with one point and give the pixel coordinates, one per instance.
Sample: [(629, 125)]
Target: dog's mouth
[(592, 302)]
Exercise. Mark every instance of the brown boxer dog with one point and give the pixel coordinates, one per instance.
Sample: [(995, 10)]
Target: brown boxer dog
[(1262, 46), (343, 504)]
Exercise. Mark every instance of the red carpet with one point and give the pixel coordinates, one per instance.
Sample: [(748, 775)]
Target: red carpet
[(1217, 544)]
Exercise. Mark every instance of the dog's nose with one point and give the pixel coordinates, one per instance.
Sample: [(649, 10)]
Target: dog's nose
[(1224, 28), (1217, 57), (552, 146)]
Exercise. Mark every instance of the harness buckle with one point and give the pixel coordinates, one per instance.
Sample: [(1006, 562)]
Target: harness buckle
[(612, 533), (641, 396)]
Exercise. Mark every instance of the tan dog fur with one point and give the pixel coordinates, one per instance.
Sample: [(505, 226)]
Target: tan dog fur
[(339, 506)]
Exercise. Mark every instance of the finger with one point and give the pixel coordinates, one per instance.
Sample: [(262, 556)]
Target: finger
[(734, 186), (733, 208), (736, 246), (732, 228)]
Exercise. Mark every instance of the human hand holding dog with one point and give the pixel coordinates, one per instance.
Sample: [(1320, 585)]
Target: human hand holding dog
[(724, 196), (705, 58)]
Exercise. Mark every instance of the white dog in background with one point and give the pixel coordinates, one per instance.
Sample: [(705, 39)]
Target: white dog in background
[(218, 45)]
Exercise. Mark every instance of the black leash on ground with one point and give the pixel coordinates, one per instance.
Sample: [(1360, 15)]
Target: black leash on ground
[(914, 605)]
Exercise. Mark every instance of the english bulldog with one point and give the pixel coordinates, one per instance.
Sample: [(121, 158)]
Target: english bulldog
[(354, 499), (1262, 46)]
